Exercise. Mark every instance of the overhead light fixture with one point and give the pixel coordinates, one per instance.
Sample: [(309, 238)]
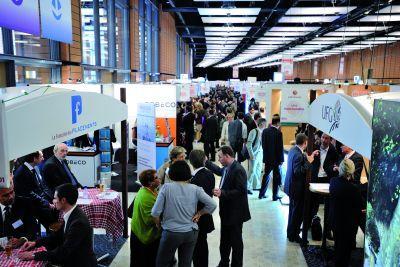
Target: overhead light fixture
[(319, 10), (390, 9), (361, 28), (293, 29), (228, 19), (207, 33), (227, 28), (307, 19), (380, 18), (284, 34), (347, 33), (229, 11)]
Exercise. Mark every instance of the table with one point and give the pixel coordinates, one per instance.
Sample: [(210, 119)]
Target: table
[(5, 262), (322, 189), (103, 213)]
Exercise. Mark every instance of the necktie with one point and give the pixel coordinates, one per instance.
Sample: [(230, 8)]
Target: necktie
[(223, 178), (7, 222), (71, 177), (37, 178)]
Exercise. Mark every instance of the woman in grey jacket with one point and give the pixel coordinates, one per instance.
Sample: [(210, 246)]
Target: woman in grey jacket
[(177, 202)]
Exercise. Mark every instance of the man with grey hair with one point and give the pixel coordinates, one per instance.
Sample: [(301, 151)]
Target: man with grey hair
[(56, 171)]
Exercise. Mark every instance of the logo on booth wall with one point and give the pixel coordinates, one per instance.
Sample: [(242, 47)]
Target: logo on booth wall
[(17, 2), (76, 107), (295, 92), (332, 115), (56, 9)]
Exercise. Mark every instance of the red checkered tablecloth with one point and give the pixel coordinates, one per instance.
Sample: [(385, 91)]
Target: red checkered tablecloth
[(105, 213), (13, 261)]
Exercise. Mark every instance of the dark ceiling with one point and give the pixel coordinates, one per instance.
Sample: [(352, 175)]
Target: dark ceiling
[(190, 25)]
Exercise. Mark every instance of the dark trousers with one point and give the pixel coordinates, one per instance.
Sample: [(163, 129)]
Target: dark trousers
[(172, 241), (189, 138), (231, 240), (343, 246), (295, 218), (200, 253), (275, 182), (143, 255), (209, 148)]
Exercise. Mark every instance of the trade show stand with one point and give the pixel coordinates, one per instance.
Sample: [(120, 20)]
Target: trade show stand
[(84, 165), (162, 152)]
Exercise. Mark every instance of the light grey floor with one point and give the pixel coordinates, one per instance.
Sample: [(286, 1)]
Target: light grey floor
[(264, 236)]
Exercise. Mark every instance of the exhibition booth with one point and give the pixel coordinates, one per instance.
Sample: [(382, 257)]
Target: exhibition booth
[(370, 125)]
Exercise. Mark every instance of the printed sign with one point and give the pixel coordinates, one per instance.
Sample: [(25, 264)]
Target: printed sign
[(56, 21), (294, 105), (146, 137), (20, 15)]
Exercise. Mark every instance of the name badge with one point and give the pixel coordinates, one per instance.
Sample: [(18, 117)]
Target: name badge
[(3, 241), (17, 224)]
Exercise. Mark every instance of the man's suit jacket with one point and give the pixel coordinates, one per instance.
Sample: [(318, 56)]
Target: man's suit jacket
[(27, 211), (74, 247), (235, 134), (330, 160), (27, 185), (233, 202), (345, 205), (297, 167), (211, 128), (272, 143), (188, 123), (54, 174), (206, 180), (359, 165)]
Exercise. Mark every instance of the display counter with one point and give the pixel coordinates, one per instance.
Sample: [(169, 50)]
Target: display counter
[(84, 165), (162, 152)]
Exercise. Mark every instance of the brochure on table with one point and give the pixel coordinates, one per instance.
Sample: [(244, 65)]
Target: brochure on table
[(64, 114)]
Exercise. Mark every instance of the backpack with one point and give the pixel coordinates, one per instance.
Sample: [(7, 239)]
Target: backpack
[(316, 228)]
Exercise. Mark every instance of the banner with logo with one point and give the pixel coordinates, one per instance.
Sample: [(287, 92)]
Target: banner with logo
[(287, 67), (63, 114), (345, 119), (56, 20), (235, 72), (146, 137), (20, 15), (294, 105)]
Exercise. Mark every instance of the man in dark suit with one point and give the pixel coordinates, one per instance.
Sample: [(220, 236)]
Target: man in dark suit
[(188, 127), (56, 171), (295, 182), (272, 143), (210, 129), (19, 215), (358, 162), (72, 244), (28, 181), (206, 180), (233, 205), (323, 168)]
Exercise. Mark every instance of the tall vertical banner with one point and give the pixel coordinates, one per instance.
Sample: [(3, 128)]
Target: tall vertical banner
[(287, 67), (146, 137), (382, 235), (4, 161), (20, 15), (56, 20), (294, 105), (235, 72)]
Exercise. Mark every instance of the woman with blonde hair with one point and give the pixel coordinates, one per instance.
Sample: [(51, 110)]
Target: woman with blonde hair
[(344, 212)]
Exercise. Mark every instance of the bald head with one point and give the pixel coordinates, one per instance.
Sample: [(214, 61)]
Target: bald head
[(60, 151)]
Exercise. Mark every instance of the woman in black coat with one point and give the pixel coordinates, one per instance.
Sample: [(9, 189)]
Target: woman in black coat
[(345, 212)]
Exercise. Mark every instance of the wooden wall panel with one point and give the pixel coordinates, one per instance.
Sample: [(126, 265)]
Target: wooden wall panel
[(134, 37), (382, 59), (167, 46)]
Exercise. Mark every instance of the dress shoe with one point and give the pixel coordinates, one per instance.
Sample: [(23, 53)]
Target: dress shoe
[(329, 235), (276, 198), (261, 197), (249, 192)]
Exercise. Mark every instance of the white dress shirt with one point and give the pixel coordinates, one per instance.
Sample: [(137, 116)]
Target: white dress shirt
[(197, 170), (3, 211), (66, 216), (322, 152), (349, 154)]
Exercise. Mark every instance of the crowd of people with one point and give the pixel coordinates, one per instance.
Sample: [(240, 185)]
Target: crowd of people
[(172, 211)]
